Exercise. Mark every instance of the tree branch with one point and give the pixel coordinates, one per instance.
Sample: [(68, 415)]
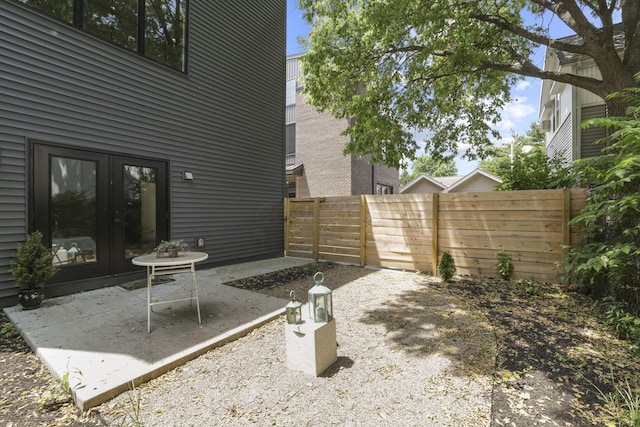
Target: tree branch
[(529, 35)]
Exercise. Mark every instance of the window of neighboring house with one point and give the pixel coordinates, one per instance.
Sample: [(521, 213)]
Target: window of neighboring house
[(291, 188), (291, 144), (155, 29), (556, 114), (291, 92), (384, 189)]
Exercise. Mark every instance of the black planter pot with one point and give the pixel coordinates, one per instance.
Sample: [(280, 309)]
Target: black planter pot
[(30, 298)]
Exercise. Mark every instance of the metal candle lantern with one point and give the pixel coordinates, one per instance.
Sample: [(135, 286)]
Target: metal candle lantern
[(320, 305), (294, 310)]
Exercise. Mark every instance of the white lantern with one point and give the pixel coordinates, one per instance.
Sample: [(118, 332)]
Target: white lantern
[(294, 310), (320, 305)]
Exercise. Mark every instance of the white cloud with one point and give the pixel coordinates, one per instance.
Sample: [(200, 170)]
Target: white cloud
[(522, 86), (519, 109), (506, 125)]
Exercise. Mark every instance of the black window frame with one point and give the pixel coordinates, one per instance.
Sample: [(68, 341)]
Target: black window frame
[(141, 19)]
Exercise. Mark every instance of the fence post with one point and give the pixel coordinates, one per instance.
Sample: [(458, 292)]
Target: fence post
[(566, 230), (363, 230), (287, 208), (316, 229), (435, 199)]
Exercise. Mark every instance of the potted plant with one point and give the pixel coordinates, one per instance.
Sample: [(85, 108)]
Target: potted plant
[(31, 268), (171, 248)]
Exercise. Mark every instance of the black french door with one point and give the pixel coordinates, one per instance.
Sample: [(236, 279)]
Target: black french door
[(97, 210)]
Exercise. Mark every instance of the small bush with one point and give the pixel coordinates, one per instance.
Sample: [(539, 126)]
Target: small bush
[(624, 325), (505, 266), (446, 267)]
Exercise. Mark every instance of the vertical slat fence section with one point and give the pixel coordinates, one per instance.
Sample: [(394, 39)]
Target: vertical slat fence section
[(411, 231)]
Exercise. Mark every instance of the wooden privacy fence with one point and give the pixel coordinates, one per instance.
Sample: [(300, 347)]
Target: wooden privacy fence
[(411, 231)]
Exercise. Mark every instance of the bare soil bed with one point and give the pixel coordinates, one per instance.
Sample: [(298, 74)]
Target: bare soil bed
[(412, 351)]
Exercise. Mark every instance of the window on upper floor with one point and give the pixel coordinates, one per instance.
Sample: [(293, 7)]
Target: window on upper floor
[(291, 92), (291, 139), (291, 188), (556, 113), (153, 28)]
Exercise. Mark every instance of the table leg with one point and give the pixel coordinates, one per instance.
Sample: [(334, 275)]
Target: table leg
[(194, 287), (149, 278)]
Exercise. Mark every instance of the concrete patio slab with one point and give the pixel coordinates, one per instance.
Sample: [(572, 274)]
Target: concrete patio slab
[(99, 340)]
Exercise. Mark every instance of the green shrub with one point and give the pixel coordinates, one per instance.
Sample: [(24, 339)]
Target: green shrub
[(446, 267), (624, 325), (33, 264), (505, 266), (606, 261)]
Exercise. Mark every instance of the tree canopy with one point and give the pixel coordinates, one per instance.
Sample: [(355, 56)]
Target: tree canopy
[(524, 165), (430, 166), (400, 67)]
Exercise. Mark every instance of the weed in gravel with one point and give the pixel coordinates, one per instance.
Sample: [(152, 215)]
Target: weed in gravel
[(131, 409), (8, 331), (623, 402), (529, 286)]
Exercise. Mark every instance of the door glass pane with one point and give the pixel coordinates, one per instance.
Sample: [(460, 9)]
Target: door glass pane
[(139, 210), (73, 210)]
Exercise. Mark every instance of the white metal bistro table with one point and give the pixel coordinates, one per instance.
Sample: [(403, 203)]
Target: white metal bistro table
[(185, 262)]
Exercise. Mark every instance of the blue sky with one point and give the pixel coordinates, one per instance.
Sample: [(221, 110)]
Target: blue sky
[(516, 117)]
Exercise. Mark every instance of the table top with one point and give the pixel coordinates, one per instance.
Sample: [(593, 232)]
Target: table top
[(181, 259)]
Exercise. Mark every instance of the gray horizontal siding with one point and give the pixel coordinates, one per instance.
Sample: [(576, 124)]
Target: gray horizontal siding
[(562, 143), (223, 120)]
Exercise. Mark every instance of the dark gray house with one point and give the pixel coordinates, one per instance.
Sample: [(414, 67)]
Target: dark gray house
[(123, 123)]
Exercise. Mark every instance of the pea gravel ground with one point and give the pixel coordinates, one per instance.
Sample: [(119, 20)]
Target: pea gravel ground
[(407, 355), (413, 351)]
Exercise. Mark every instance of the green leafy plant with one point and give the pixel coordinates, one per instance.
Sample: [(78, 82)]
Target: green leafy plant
[(167, 245), (624, 325), (505, 266), (8, 331), (33, 263), (446, 267), (529, 286), (606, 262), (622, 402)]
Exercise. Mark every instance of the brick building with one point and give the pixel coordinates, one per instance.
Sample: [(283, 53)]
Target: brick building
[(316, 165)]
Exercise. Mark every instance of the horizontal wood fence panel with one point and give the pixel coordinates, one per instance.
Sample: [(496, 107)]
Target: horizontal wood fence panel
[(491, 225), (411, 231)]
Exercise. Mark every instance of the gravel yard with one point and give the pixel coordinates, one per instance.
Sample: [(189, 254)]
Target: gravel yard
[(408, 356), (412, 351)]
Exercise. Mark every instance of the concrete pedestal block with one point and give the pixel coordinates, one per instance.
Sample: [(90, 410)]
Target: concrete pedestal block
[(311, 347)]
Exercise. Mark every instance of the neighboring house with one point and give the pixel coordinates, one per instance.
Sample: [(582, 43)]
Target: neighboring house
[(563, 107), (316, 165), (475, 181), (122, 126)]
